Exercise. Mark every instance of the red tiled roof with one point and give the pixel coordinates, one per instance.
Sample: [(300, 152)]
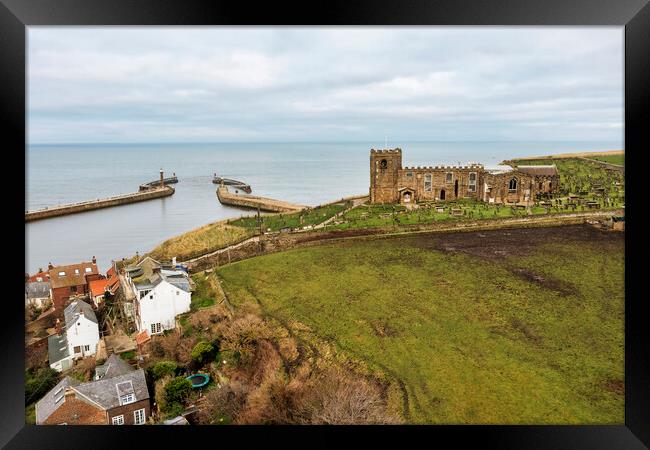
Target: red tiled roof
[(98, 287), (110, 273), (45, 276)]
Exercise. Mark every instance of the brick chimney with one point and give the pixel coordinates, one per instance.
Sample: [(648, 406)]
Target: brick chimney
[(94, 260), (58, 326), (50, 266)]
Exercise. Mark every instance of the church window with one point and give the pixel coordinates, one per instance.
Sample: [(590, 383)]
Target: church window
[(472, 182), (513, 184), (427, 182), (383, 164), (449, 177)]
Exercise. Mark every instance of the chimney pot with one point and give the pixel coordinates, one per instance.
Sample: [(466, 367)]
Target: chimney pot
[(94, 260), (50, 266)]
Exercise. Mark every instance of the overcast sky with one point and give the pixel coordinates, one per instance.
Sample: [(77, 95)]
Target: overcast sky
[(246, 84)]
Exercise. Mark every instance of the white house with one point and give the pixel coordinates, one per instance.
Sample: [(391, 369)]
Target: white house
[(161, 293), (79, 339)]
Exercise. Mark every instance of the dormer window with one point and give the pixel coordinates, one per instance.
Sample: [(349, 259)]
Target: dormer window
[(127, 398)]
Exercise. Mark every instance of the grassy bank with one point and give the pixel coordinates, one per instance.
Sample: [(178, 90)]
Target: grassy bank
[(200, 241), (510, 326), (275, 222), (612, 159)]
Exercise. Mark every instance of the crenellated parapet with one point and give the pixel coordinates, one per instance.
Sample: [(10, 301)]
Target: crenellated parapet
[(447, 167), (386, 151)]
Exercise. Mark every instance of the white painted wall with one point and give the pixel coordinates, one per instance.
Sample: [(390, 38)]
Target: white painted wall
[(162, 305), (83, 332)]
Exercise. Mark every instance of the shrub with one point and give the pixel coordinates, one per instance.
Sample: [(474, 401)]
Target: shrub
[(38, 382), (162, 368), (202, 352), (177, 390)]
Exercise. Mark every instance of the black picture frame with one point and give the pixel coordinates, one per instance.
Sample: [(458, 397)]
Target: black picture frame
[(634, 15)]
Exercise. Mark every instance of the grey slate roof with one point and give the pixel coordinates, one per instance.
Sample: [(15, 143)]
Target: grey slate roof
[(104, 392), (547, 170), (72, 311), (152, 273), (53, 399), (57, 347), (113, 367), (37, 289)]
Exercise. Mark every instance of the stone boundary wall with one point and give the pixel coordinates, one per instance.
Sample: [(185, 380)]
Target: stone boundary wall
[(606, 164), (276, 242), (99, 204)]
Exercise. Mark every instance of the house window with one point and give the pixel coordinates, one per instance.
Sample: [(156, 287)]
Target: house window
[(178, 292), (86, 348), (138, 416), (76, 271), (88, 270), (151, 297), (77, 349), (427, 182), (449, 177), (73, 288), (128, 398), (155, 328), (472, 182), (513, 184), (118, 420), (61, 274)]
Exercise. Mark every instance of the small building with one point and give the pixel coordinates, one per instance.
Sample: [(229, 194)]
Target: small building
[(99, 288), (120, 397), (38, 294), (162, 292), (71, 281), (79, 339)]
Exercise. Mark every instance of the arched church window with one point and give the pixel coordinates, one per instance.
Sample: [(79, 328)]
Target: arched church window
[(383, 164), (513, 184)]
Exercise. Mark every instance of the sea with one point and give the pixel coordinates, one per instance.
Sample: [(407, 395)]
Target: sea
[(304, 173)]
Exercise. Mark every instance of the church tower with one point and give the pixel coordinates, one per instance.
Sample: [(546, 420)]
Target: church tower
[(384, 168)]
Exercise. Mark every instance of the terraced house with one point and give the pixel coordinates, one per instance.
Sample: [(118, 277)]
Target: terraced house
[(118, 396), (392, 183), (162, 292)]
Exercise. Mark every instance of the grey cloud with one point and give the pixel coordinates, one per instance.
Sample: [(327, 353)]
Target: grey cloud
[(118, 84)]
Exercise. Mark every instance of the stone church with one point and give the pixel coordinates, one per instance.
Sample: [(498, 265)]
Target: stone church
[(392, 183)]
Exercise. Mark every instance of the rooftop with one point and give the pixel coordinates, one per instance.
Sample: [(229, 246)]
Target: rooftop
[(57, 347), (53, 399), (113, 367), (148, 273), (98, 287), (76, 309), (72, 275), (548, 170), (106, 391)]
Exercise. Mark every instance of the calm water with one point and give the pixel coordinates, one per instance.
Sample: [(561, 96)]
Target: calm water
[(310, 174)]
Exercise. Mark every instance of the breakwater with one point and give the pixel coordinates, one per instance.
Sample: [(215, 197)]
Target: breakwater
[(234, 183), (152, 184), (251, 201), (74, 208)]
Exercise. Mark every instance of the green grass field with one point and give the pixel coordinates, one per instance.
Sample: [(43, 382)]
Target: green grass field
[(509, 326), (275, 222), (612, 159)]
